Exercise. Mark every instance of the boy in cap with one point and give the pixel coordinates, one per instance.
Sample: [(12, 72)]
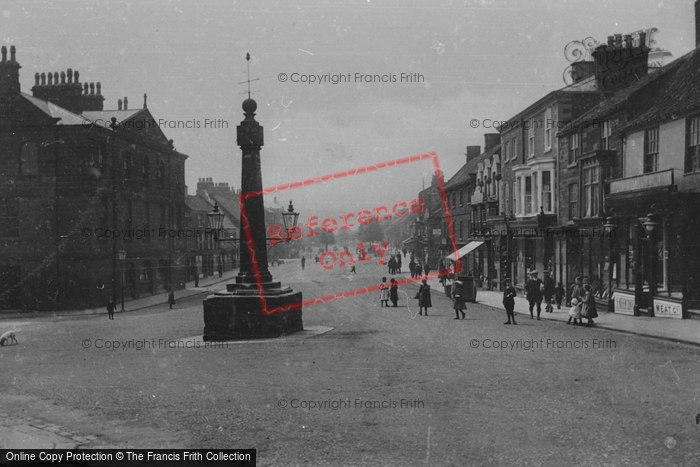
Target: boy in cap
[(533, 293)]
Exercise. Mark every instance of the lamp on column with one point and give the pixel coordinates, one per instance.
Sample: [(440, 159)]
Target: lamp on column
[(609, 227), (650, 225)]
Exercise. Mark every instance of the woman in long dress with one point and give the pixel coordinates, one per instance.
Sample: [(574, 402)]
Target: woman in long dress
[(588, 310), (394, 292)]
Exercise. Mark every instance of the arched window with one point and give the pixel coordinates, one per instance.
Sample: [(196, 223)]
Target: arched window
[(127, 166), (146, 170), (161, 173), (28, 159)]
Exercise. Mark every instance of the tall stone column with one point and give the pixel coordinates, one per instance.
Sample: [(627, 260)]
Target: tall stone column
[(250, 140)]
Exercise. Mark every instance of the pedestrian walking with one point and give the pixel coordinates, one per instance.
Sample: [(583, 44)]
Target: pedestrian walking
[(419, 270), (458, 302), (559, 294), (392, 265), (398, 262), (412, 268), (548, 291), (533, 293), (426, 270), (423, 296), (588, 308), (384, 293), (220, 270), (303, 262), (394, 292), (111, 307), (196, 277), (171, 299), (509, 294)]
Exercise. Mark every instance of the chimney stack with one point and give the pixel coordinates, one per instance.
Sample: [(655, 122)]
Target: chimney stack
[(126, 103), (119, 104), (473, 152)]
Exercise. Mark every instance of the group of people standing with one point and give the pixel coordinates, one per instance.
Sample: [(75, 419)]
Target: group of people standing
[(417, 268), (394, 264), (582, 299), (388, 292)]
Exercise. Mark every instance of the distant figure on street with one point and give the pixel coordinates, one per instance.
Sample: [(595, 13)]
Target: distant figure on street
[(509, 294), (398, 262), (458, 302), (412, 268), (111, 307), (392, 265), (196, 277), (220, 270), (394, 292), (419, 270), (549, 289), (303, 262), (352, 269), (424, 300), (384, 293), (533, 293), (171, 299), (426, 269), (559, 293)]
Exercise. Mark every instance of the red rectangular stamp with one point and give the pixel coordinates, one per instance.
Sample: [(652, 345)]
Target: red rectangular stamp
[(315, 225)]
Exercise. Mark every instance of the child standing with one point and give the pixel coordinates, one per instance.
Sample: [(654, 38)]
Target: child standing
[(575, 311), (394, 292), (384, 293)]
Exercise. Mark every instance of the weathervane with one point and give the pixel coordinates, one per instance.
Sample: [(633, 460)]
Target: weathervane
[(247, 57)]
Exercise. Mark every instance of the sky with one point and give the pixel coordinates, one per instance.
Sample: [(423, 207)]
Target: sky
[(461, 60)]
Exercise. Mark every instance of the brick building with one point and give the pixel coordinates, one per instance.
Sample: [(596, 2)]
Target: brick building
[(69, 181)]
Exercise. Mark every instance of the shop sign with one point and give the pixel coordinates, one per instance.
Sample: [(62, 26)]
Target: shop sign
[(624, 303), (664, 308)]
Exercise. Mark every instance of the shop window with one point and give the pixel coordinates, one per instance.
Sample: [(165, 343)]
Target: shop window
[(531, 139), (513, 205), (651, 150), (28, 159), (693, 150), (514, 148), (506, 198), (573, 200), (9, 217), (461, 197)]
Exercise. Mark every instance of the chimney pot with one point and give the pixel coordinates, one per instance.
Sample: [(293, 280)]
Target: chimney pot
[(12, 53), (63, 77), (76, 75), (85, 88), (126, 103), (4, 53), (70, 76), (99, 88), (144, 101), (43, 79), (92, 88), (697, 23), (119, 104), (55, 78), (50, 78), (36, 78)]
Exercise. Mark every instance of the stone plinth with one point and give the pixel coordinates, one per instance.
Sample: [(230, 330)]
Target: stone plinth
[(237, 313)]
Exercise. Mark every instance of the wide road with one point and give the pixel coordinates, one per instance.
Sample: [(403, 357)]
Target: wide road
[(384, 387)]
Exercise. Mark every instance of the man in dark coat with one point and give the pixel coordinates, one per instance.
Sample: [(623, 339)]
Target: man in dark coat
[(424, 299), (549, 290), (412, 268), (110, 308), (509, 294), (533, 293)]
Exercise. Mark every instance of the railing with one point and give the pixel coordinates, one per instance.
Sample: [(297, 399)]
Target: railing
[(665, 178)]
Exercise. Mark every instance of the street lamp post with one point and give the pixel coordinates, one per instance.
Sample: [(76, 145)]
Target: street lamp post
[(122, 257), (609, 227), (650, 225)]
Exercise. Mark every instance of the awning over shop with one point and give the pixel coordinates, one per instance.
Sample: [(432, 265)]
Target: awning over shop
[(468, 248)]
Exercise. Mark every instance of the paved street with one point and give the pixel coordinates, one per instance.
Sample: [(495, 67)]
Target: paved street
[(383, 387)]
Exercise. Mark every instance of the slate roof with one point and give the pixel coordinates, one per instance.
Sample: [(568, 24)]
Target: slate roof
[(462, 174), (52, 110), (679, 93)]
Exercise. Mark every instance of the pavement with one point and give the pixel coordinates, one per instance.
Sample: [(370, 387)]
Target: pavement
[(685, 331), (204, 287)]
